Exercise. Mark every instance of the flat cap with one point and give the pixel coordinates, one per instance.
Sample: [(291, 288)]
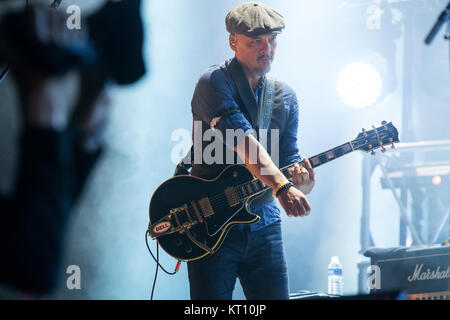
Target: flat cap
[(253, 18)]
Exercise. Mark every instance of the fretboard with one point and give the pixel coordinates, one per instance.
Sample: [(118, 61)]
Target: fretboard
[(254, 186)]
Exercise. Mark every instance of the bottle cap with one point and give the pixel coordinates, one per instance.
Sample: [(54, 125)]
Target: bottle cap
[(335, 259)]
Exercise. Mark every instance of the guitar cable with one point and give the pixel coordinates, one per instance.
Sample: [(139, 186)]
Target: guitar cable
[(158, 265)]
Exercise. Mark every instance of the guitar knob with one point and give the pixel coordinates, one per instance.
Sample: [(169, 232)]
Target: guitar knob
[(383, 122), (178, 242), (188, 249)]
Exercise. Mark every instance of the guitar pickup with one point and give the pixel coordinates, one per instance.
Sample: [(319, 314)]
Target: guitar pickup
[(196, 211), (232, 196), (206, 207)]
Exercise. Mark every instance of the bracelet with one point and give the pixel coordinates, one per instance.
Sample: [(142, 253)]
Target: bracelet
[(283, 187), (280, 185)]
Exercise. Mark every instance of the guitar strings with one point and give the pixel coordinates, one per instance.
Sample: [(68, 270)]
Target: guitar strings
[(220, 200)]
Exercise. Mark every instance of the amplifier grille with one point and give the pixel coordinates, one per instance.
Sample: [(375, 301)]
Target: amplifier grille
[(444, 295)]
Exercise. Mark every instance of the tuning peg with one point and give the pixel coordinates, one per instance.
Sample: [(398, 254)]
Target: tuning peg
[(371, 149), (393, 146), (383, 149), (364, 132)]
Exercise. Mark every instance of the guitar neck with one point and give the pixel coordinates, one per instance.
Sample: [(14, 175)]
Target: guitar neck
[(323, 157), (250, 188)]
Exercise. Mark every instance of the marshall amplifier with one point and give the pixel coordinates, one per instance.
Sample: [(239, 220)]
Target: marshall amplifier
[(422, 272)]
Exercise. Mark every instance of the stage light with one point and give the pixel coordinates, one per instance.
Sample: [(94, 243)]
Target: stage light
[(436, 180), (359, 85)]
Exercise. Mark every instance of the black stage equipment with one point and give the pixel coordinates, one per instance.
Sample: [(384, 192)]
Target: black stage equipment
[(422, 272)]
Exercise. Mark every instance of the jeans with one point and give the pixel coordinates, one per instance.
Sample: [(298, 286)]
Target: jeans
[(257, 258)]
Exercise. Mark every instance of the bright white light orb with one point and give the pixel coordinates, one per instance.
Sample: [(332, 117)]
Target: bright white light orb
[(359, 85)]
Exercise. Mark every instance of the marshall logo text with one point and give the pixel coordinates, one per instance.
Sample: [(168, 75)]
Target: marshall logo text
[(428, 275)]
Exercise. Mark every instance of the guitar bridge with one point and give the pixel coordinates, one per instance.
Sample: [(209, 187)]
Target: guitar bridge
[(176, 214)]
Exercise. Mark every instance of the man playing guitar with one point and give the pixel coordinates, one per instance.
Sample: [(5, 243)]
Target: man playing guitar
[(253, 253)]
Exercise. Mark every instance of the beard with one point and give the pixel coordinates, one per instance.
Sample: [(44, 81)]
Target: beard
[(266, 62)]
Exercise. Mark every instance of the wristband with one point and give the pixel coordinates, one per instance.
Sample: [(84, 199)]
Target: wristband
[(283, 187), (280, 185)]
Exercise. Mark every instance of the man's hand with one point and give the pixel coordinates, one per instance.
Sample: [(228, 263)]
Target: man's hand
[(294, 203), (303, 178), (292, 200)]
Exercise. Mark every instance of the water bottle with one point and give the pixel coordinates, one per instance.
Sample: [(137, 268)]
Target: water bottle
[(335, 280)]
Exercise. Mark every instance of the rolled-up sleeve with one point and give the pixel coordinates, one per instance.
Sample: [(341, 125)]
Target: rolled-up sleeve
[(289, 152), (213, 102)]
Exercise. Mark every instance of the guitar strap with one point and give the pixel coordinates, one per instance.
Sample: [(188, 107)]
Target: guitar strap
[(266, 103), (245, 92)]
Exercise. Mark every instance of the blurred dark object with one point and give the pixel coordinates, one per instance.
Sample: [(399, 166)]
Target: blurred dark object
[(56, 159), (117, 33), (25, 42), (35, 217), (111, 39)]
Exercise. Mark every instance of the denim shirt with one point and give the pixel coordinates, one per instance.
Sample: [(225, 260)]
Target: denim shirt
[(215, 93)]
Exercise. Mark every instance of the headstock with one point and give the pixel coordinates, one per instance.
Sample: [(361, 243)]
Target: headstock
[(369, 140)]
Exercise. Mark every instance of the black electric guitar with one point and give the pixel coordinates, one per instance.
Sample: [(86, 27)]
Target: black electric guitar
[(190, 216)]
